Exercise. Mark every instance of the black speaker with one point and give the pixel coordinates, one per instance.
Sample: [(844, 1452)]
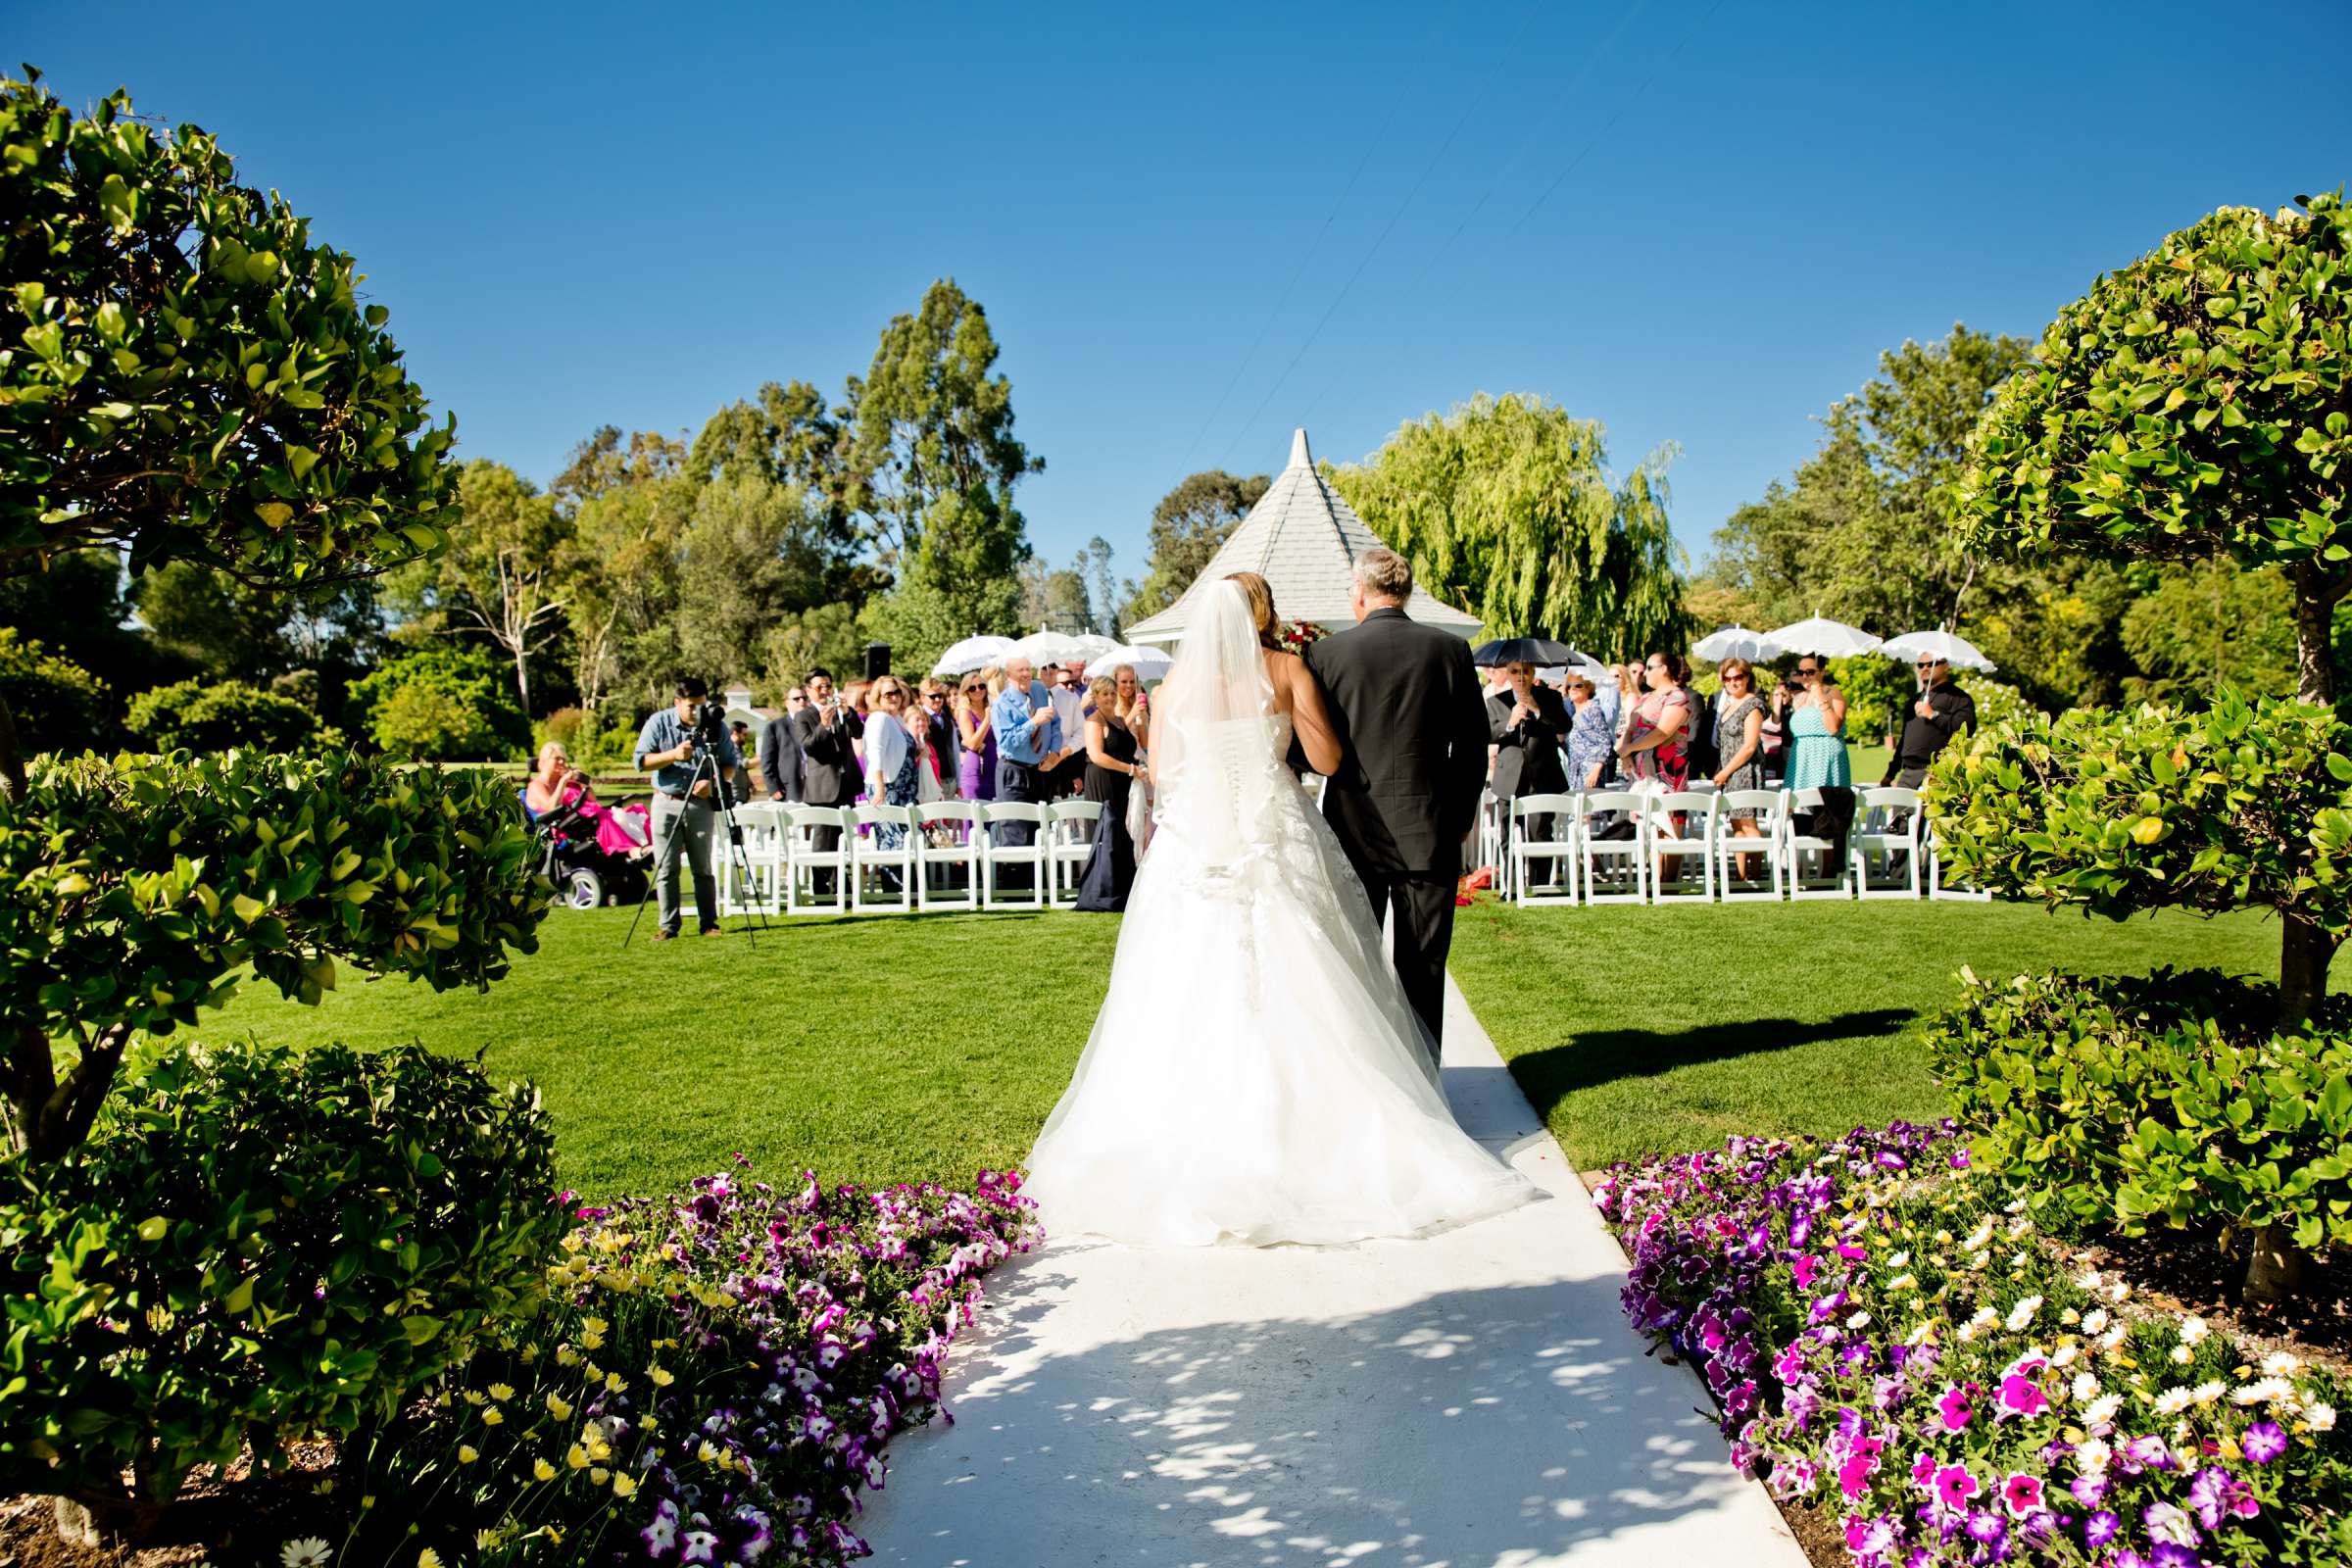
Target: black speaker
[(877, 660)]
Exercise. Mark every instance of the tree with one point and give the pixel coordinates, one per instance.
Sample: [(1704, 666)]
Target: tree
[(1053, 599), (444, 703), (1507, 508), (752, 552), (190, 377), (1102, 592), (920, 622), (74, 606), (1188, 526), (627, 509), (59, 706), (2210, 625), (2193, 403), (191, 715), (934, 456), (502, 574)]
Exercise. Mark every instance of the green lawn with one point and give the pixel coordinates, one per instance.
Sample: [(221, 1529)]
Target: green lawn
[(1637, 1030), (874, 1050), (888, 1047)]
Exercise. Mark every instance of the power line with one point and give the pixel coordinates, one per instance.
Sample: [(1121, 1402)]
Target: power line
[(1567, 95), (1442, 148), (1274, 313)]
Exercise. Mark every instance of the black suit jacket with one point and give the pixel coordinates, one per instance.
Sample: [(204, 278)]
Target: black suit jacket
[(780, 758), (1527, 755), (829, 772), (1412, 728)]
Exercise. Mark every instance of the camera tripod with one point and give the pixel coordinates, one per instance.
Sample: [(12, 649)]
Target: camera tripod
[(706, 770)]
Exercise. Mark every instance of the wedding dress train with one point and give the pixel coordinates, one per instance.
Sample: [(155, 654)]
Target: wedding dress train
[(1255, 1075)]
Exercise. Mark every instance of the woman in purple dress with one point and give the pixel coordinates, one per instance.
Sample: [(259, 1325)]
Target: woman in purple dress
[(976, 763)]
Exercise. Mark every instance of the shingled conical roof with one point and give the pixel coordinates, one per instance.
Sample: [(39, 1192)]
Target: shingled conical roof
[(1303, 540)]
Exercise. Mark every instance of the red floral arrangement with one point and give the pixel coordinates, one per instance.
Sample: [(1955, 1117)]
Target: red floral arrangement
[(1300, 635)]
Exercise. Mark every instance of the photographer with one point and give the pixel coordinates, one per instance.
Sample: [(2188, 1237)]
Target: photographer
[(828, 730), (672, 745)]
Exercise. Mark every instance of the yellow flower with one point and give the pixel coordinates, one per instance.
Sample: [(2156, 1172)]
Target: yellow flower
[(566, 1355), (578, 1458), (615, 1382), (597, 1474), (501, 1391), (473, 1396), (493, 1416), (592, 1338), (595, 1373), (530, 1354), (662, 1376), (707, 1453), (558, 1406), (622, 1486), (543, 1470), (428, 1558), (367, 1503), (466, 1453)]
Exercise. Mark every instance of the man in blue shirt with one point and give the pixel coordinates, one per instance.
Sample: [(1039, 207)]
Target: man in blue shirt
[(1028, 742), (682, 805)]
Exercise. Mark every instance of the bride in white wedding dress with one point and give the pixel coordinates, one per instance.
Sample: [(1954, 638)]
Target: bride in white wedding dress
[(1256, 1076)]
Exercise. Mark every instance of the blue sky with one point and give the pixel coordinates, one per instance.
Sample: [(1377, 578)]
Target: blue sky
[(1194, 228)]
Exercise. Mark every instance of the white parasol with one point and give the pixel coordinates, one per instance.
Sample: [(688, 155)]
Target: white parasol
[(1736, 642), (1042, 648), (1824, 637), (1151, 663), (1954, 650), (973, 653)]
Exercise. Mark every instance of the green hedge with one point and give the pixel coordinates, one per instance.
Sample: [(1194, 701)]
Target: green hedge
[(2160, 1100), (252, 1242), (194, 716)]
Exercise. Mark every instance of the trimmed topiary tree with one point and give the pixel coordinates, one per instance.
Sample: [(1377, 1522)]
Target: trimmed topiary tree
[(188, 376), (190, 715)]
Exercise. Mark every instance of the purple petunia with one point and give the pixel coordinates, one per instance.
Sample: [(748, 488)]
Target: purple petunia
[(1955, 1407), (2021, 1494), (2264, 1442)]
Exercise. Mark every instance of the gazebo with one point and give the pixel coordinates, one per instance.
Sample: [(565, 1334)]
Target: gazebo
[(1303, 540)]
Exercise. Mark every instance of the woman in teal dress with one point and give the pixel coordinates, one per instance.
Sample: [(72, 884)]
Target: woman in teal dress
[(1814, 712)]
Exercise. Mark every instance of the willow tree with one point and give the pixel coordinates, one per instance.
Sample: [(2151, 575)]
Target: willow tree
[(1507, 509)]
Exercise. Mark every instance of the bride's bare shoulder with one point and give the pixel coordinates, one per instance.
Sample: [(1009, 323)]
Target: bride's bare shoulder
[(1284, 670)]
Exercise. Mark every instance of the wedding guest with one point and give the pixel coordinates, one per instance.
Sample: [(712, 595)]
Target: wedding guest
[(828, 731), (1942, 713), (1134, 705), (1028, 744), (1111, 772), (1591, 734), (1654, 748), (976, 738), (1069, 706), (1739, 720), (1527, 723), (1813, 712), (780, 750), (894, 755), (945, 747), (555, 783), (739, 788)]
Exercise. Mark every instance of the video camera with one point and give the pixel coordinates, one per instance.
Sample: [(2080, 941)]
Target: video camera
[(708, 726)]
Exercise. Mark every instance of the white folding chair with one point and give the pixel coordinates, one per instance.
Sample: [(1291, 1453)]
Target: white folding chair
[(1874, 811), (1551, 857), (1490, 840), (950, 842), (1070, 827), (752, 887), (1936, 887), (996, 856), (1832, 878), (1614, 870), (878, 865), (1700, 811), (803, 859), (1772, 819)]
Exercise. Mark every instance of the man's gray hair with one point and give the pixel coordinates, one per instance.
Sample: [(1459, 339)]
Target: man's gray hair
[(1383, 573)]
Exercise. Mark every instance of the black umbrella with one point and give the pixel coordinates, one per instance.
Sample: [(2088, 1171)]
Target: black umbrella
[(1541, 651)]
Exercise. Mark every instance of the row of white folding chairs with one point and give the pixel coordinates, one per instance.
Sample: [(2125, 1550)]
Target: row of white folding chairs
[(948, 856), (1889, 854)]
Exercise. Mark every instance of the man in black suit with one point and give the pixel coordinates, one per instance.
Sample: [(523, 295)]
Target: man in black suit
[(780, 750), (827, 730), (1412, 724)]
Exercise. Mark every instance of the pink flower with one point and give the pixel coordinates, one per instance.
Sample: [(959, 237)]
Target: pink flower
[(2021, 1495), (1955, 1407), (1954, 1485), (2022, 1395)]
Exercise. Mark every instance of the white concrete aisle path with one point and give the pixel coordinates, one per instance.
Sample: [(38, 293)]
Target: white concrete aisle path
[(1475, 1398)]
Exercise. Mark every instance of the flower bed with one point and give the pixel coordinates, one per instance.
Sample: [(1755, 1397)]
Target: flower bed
[(1889, 1340), (715, 1383)]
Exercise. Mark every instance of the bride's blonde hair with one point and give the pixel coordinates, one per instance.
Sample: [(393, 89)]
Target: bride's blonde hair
[(1261, 594)]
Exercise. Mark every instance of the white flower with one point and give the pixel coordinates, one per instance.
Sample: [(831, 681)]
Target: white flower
[(2087, 1387), (2119, 1293), (2070, 1317), (2280, 1364), (2065, 1355), (2320, 1417), (2017, 1206), (2114, 1336), (2089, 1278), (2100, 1413), (1902, 1281), (1978, 1260), (2193, 1331), (1899, 1259), (2207, 1392), (1979, 1237), (307, 1552), (1919, 1332), (2172, 1402), (2091, 1455), (2263, 1391), (2181, 1356), (2094, 1320), (1860, 1320)]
